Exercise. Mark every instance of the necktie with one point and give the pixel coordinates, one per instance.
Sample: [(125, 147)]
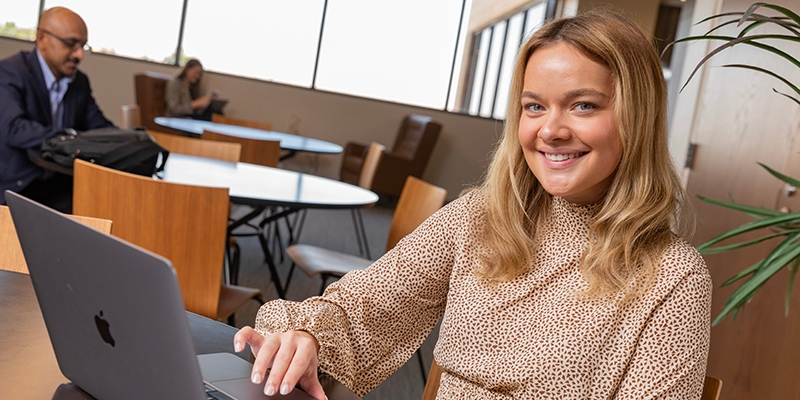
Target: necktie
[(56, 105)]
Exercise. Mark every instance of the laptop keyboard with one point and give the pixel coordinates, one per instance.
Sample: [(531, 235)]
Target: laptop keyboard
[(214, 394)]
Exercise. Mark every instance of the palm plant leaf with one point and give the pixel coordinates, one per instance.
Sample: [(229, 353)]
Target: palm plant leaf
[(731, 41), (750, 210), (770, 73), (787, 96), (751, 226), (783, 10), (789, 180), (785, 253), (745, 272), (757, 20), (739, 245), (794, 269)]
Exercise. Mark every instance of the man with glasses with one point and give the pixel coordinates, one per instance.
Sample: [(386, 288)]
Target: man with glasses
[(43, 92)]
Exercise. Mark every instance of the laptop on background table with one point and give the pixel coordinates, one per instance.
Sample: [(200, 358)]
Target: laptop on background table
[(216, 106), (115, 315)]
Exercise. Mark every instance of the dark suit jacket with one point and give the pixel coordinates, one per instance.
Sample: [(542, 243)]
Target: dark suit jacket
[(25, 119)]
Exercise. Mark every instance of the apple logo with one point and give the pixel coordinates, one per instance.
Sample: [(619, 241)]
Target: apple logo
[(103, 328)]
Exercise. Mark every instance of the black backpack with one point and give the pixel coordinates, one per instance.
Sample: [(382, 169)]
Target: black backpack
[(123, 150)]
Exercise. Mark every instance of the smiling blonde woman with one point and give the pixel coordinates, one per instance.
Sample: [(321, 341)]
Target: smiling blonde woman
[(558, 278)]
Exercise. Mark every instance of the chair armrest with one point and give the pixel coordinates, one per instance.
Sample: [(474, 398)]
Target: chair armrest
[(352, 161)]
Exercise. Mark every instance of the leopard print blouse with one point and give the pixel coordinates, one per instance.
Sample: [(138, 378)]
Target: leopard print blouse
[(530, 338)]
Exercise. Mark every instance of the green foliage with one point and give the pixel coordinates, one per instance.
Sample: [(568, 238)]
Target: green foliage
[(748, 21), (787, 253), (10, 29)]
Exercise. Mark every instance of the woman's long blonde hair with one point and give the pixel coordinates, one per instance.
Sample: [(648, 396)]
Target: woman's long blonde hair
[(645, 198)]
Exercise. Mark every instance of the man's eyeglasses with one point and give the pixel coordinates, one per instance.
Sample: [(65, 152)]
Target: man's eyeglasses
[(72, 44)]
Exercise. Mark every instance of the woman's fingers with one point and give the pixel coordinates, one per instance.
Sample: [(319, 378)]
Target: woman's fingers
[(247, 335), (310, 383), (293, 356), (264, 356), (309, 380)]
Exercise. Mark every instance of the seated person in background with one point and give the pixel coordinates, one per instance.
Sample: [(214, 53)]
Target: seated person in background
[(559, 277), (43, 92), (182, 97)]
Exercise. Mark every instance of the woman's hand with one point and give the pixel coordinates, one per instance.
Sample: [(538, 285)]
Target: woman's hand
[(292, 355), (202, 102)]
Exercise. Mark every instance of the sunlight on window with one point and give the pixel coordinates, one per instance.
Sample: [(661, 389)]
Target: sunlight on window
[(409, 52), (271, 40), (18, 19), (401, 51), (146, 29)]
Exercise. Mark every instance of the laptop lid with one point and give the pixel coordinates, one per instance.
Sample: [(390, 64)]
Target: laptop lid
[(113, 311), (217, 105)]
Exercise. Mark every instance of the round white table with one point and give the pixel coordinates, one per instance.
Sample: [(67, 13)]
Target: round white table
[(262, 187), (292, 143)]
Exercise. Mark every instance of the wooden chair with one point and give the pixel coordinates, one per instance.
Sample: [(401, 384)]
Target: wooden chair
[(365, 181), (186, 224), (417, 202), (223, 151), (150, 88), (13, 259), (219, 118), (261, 152), (711, 388)]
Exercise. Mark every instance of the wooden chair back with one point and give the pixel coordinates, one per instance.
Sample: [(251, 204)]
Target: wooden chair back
[(370, 165), (223, 151), (711, 388), (186, 224), (418, 201), (150, 89), (432, 384), (13, 259), (261, 152), (219, 118)]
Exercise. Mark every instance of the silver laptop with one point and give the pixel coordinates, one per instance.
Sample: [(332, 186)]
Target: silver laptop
[(115, 315)]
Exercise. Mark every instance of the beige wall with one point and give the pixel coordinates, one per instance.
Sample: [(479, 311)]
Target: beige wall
[(644, 12), (460, 157), (486, 12)]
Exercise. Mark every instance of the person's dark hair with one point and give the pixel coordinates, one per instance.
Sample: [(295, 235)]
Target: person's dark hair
[(182, 76), (189, 65)]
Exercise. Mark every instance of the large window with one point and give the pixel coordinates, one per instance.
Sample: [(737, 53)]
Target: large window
[(398, 51), (405, 52), (271, 40), (18, 19), (144, 29), (493, 54)]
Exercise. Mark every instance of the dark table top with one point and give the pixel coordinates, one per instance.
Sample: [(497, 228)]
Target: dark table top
[(28, 367), (288, 140)]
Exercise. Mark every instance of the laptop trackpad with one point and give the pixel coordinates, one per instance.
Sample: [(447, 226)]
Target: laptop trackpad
[(231, 374), (244, 389), (223, 366)]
